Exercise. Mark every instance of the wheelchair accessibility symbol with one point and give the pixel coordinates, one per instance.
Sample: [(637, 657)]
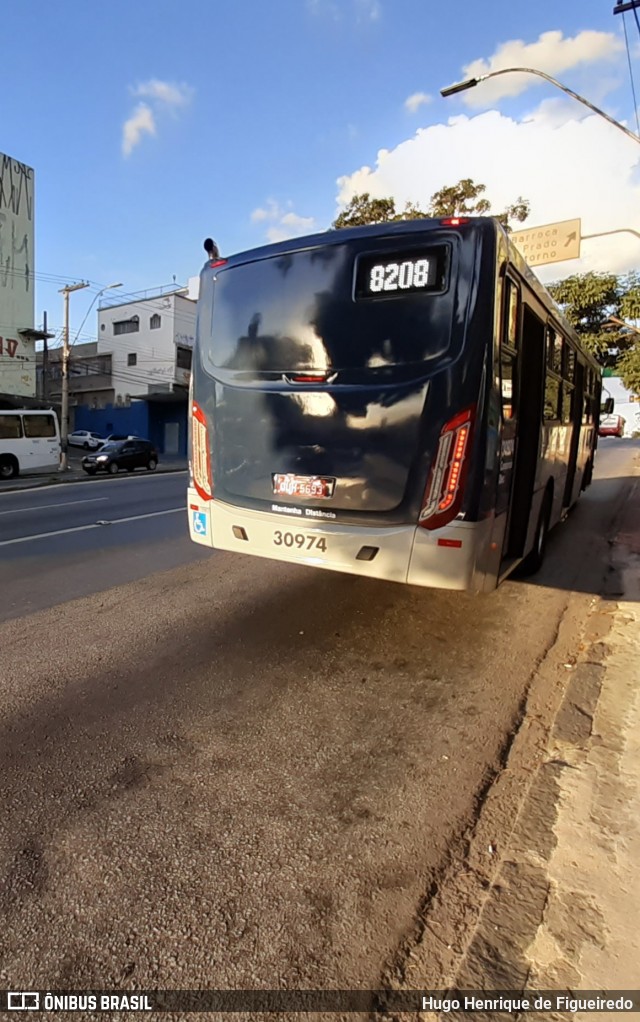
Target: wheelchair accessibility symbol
[(199, 523)]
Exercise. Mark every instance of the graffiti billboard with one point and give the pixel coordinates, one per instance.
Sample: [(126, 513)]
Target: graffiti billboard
[(17, 354)]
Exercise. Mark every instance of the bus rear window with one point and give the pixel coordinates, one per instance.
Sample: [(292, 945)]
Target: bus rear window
[(305, 310)]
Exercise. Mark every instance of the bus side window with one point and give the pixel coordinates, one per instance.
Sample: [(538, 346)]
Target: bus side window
[(556, 354), (39, 426), (507, 367), (567, 401), (10, 427), (509, 347), (551, 397), (512, 304), (552, 381)]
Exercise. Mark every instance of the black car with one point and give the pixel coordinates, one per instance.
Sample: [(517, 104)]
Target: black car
[(129, 454)]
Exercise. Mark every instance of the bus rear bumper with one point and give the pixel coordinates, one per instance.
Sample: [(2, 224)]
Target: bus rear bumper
[(445, 558)]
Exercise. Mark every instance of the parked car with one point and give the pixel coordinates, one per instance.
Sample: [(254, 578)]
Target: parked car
[(116, 437), (611, 425), (129, 454), (84, 438)]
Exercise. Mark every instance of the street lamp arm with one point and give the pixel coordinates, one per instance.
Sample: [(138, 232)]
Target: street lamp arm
[(469, 83), (109, 287), (621, 230)]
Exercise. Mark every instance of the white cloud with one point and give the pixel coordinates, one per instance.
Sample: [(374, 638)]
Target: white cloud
[(272, 212), (160, 96), (169, 93), (416, 100), (297, 223), (551, 53), (284, 223), (368, 10), (324, 8), (140, 123), (364, 10), (566, 167)]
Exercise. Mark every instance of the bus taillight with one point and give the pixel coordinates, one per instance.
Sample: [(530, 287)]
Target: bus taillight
[(443, 494), (200, 453)]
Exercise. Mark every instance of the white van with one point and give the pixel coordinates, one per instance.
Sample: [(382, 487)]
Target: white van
[(29, 442)]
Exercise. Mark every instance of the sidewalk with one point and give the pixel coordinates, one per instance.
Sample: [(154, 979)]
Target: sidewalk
[(543, 892), (562, 912), (75, 474), (589, 937)]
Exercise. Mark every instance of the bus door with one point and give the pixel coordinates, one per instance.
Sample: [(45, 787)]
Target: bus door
[(528, 386)]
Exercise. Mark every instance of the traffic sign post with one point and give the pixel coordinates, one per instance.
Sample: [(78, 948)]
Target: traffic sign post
[(550, 243)]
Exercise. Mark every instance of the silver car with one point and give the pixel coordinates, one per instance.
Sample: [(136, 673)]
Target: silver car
[(84, 438)]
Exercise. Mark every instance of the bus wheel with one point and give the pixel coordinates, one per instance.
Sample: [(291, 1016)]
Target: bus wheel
[(9, 467), (533, 560)]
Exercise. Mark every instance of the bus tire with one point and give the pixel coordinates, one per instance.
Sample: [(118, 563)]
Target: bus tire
[(9, 467), (534, 559)]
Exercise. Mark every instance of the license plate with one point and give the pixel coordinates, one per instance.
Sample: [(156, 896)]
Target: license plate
[(288, 485), (299, 541)]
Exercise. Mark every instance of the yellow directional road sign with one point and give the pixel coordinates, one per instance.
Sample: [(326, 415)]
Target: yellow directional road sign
[(551, 243)]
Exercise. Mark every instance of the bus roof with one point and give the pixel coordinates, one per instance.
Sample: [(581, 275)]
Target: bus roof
[(402, 228), (344, 234)]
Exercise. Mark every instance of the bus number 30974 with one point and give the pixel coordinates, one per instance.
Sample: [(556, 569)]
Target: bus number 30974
[(297, 539)]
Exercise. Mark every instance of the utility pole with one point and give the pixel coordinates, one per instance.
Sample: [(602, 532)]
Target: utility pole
[(64, 413), (45, 360)]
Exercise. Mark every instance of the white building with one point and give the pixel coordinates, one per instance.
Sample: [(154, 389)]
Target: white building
[(17, 335), (150, 339)]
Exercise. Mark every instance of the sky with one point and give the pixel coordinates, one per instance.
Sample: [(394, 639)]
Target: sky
[(151, 125)]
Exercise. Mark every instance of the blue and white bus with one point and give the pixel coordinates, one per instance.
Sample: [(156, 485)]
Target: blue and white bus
[(403, 401)]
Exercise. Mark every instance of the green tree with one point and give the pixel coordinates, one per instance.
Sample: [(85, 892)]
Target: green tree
[(629, 366), (462, 199), (466, 198), (363, 209), (604, 309)]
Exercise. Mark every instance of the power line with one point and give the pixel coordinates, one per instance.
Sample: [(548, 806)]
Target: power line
[(633, 87), (123, 374)]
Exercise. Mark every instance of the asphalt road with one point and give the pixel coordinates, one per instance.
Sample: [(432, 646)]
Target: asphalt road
[(239, 773), (62, 542)]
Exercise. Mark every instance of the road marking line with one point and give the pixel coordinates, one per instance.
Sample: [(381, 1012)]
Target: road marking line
[(43, 507), (94, 479), (94, 525)]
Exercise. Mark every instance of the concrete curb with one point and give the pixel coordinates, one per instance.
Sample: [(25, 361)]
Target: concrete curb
[(60, 480)]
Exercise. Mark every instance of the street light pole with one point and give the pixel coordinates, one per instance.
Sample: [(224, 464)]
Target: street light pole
[(64, 412), (470, 83)]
